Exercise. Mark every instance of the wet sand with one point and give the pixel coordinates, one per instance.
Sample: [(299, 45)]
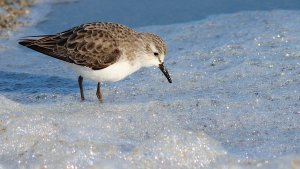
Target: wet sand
[(11, 12), (234, 102)]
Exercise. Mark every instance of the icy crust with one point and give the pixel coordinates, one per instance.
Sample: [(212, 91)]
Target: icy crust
[(111, 134), (234, 103)]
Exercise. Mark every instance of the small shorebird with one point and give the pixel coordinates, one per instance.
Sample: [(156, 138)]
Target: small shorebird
[(102, 51)]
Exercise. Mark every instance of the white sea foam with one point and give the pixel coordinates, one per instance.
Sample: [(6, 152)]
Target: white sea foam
[(233, 103)]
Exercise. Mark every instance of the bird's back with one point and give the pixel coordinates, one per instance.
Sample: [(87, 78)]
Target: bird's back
[(94, 45)]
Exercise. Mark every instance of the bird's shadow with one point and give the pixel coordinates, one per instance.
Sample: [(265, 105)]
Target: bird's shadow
[(28, 88)]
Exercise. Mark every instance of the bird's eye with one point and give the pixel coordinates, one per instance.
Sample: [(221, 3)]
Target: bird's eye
[(155, 54)]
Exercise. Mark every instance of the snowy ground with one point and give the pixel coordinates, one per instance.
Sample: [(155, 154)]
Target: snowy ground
[(234, 102)]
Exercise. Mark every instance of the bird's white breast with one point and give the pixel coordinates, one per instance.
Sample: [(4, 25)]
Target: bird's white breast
[(114, 72)]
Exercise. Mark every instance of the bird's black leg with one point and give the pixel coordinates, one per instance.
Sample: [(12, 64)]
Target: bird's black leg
[(98, 93), (80, 80)]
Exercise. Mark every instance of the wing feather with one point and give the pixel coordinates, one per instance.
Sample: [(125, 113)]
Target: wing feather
[(86, 45)]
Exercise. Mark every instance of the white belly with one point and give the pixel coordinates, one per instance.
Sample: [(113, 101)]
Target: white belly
[(113, 73)]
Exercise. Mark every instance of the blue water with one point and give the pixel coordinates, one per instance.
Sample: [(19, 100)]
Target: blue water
[(138, 13)]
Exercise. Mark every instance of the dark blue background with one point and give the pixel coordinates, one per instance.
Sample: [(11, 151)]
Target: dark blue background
[(137, 13)]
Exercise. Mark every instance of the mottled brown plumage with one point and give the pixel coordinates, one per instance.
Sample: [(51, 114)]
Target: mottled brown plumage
[(94, 45)]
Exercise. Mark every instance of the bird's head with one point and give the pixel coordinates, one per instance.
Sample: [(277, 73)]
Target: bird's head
[(155, 51)]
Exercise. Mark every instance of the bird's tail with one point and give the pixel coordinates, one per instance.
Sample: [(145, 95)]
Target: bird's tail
[(31, 40), (26, 42)]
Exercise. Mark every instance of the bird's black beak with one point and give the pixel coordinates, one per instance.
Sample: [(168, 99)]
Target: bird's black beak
[(165, 72)]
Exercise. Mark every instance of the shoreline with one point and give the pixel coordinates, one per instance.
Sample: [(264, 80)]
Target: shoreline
[(232, 112), (11, 14)]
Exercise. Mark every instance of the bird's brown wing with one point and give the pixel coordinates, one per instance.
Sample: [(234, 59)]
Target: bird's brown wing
[(95, 48)]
